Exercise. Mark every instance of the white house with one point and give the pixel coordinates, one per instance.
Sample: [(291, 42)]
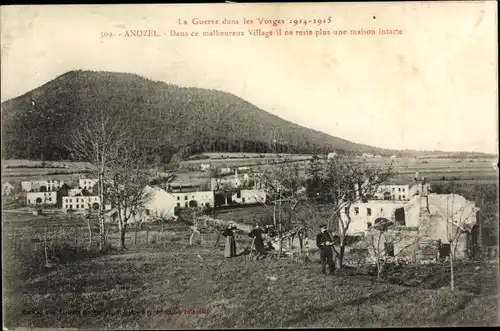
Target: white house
[(393, 192), (159, 203), (332, 155), (367, 155), (7, 188), (38, 198), (82, 203), (400, 190), (41, 185), (204, 167), (87, 183), (244, 169), (363, 215), (249, 196), (394, 157), (226, 170), (194, 199)]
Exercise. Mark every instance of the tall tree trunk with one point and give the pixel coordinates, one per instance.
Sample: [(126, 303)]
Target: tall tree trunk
[(341, 253), (135, 234), (378, 256), (90, 232), (274, 213), (123, 231), (301, 244), (379, 269), (452, 276), (280, 228), (102, 230), (480, 231)]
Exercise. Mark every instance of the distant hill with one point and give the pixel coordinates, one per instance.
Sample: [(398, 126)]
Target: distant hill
[(189, 120)]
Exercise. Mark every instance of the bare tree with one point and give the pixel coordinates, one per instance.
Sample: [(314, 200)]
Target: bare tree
[(284, 185), (99, 137), (93, 141), (89, 224), (457, 212), (344, 183), (129, 174)]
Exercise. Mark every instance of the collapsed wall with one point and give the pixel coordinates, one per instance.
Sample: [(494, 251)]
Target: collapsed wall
[(430, 239)]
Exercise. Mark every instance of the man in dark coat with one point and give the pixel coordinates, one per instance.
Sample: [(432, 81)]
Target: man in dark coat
[(324, 242), (258, 241)]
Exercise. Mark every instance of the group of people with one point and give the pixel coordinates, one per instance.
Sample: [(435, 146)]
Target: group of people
[(324, 242), (259, 235)]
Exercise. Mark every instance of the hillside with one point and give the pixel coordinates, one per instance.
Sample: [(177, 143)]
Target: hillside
[(188, 120)]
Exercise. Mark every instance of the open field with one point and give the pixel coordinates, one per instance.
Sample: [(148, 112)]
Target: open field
[(66, 177), (463, 169), (152, 286), (39, 163), (256, 155)]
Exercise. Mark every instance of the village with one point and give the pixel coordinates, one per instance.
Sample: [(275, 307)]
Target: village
[(418, 216), (82, 195)]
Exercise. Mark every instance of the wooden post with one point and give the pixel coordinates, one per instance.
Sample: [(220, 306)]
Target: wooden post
[(76, 237), (45, 243), (480, 230), (161, 232), (135, 235)]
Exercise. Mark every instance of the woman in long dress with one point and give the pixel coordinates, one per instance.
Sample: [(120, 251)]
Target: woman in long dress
[(230, 248)]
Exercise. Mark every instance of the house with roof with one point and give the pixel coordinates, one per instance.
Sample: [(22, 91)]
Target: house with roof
[(87, 183), (157, 204), (41, 198), (41, 185), (81, 202)]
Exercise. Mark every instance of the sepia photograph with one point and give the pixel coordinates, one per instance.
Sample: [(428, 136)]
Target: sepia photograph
[(250, 165)]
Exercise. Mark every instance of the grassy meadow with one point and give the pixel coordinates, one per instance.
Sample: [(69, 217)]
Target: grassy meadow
[(162, 282), (473, 170)]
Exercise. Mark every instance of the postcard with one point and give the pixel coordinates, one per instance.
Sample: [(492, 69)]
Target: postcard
[(250, 165)]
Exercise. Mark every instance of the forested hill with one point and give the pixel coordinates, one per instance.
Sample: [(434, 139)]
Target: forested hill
[(189, 120)]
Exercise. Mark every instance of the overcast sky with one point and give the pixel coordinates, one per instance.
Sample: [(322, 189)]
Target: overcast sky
[(433, 87)]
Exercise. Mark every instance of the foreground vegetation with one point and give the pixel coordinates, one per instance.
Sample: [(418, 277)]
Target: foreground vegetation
[(164, 283)]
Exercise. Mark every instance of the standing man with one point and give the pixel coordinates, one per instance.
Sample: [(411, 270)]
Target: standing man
[(258, 241), (324, 242)]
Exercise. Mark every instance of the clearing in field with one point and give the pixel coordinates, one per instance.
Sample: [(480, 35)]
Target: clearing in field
[(161, 282)]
